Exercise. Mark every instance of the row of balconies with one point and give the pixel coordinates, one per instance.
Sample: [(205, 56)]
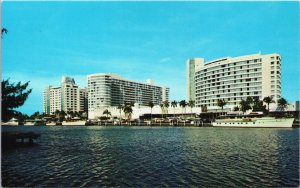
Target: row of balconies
[(233, 77), (233, 64), (222, 75), (235, 85), (226, 90), (229, 80), (234, 72), (231, 93)]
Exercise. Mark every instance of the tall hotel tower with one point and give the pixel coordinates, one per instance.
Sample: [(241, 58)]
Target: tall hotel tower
[(233, 79), (67, 97), (111, 90)]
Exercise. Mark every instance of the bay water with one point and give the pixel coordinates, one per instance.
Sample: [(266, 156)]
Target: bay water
[(121, 156)]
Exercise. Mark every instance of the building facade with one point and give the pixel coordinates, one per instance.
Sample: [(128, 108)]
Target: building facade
[(83, 100), (192, 66), (70, 97), (66, 97), (111, 90), (55, 99), (234, 79), (46, 100)]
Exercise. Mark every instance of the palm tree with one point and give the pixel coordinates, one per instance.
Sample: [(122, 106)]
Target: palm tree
[(162, 106), (166, 104), (183, 105), (107, 113), (151, 105), (62, 115), (120, 107), (174, 105), (258, 106), (191, 104), (128, 110), (244, 106), (221, 103), (268, 100), (282, 102), (57, 112)]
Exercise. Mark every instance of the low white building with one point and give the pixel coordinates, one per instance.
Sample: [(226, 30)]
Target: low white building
[(138, 111)]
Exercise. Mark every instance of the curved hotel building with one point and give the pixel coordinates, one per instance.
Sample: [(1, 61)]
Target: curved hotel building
[(233, 79), (111, 90)]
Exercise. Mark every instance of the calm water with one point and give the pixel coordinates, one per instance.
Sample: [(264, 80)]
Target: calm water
[(159, 156)]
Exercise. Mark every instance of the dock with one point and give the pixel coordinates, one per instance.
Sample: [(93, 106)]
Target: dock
[(10, 140)]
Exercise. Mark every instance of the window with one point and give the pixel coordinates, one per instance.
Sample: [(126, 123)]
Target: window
[(272, 72)]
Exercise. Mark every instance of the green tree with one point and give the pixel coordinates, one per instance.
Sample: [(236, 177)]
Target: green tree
[(244, 106), (162, 107), (258, 106), (107, 113), (221, 103), (282, 103), (128, 111), (174, 105), (183, 105), (36, 115), (71, 113), (57, 114), (166, 104), (236, 108), (268, 100), (13, 96), (151, 105), (21, 117), (62, 115), (191, 104), (120, 107), (250, 101)]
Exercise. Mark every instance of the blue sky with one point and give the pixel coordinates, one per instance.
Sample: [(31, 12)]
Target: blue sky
[(141, 40)]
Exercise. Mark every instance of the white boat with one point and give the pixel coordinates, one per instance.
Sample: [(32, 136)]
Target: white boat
[(255, 122), (29, 122), (12, 122), (39, 122), (35, 122), (74, 121)]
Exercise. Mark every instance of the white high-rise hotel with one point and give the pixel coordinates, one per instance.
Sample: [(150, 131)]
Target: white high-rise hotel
[(233, 79), (67, 97), (111, 90)]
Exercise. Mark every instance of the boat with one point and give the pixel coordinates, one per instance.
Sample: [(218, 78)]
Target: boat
[(39, 122), (253, 120), (29, 122), (12, 122), (74, 121)]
